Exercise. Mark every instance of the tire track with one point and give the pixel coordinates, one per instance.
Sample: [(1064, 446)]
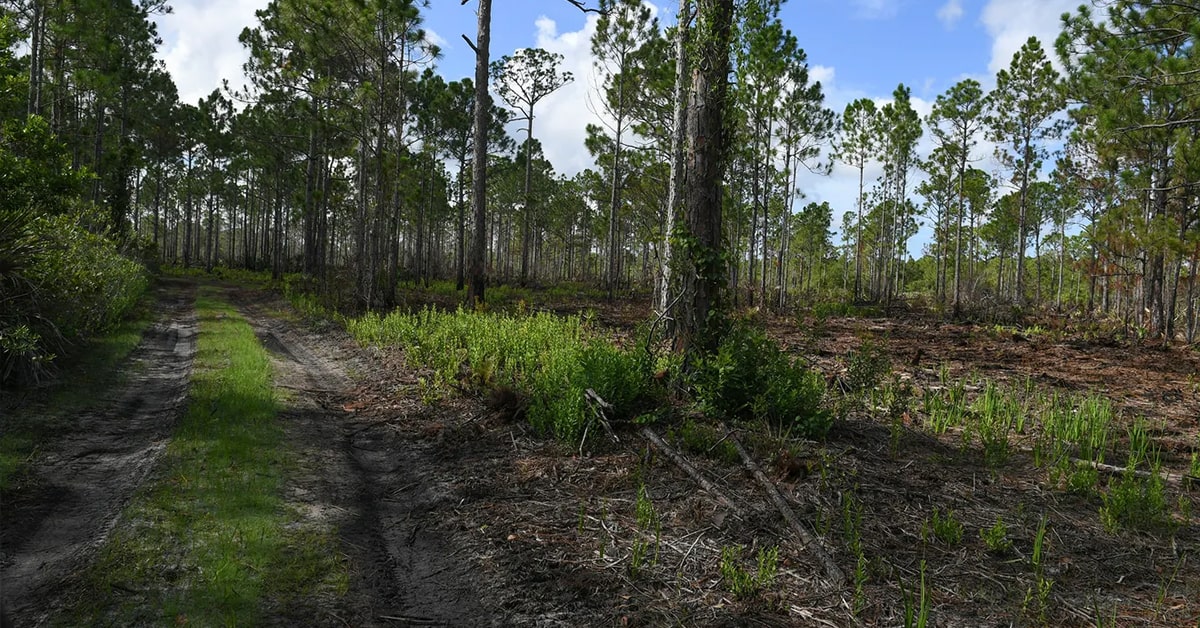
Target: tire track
[(79, 486), (373, 486)]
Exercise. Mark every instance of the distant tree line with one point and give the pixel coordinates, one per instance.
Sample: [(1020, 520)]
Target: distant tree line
[(349, 159)]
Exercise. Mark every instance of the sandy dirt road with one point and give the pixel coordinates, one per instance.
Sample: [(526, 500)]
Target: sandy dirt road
[(51, 525)]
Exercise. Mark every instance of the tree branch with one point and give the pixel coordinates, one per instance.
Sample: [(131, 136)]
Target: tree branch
[(583, 7), (470, 43), (807, 540)]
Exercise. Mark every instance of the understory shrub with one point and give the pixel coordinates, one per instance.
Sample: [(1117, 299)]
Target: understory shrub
[(553, 360), (559, 402), (750, 378), (69, 283)]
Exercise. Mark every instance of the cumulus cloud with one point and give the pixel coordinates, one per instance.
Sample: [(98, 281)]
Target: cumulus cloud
[(823, 73), (1011, 22), (200, 46), (562, 117), (950, 13)]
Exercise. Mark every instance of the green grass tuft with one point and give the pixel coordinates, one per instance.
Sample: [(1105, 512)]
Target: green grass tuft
[(552, 359)]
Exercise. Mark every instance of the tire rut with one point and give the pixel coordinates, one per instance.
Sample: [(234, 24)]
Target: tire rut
[(80, 484), (371, 485)]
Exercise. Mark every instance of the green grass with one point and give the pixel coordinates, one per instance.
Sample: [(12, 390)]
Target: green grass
[(1070, 434), (1060, 426), (209, 541), (93, 370), (746, 582)]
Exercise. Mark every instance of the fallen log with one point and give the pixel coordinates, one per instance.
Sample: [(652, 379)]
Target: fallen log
[(809, 542)]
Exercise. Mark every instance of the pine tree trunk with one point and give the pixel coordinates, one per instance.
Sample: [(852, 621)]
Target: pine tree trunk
[(460, 248), (478, 279), (527, 222), (704, 278), (37, 35), (1062, 258), (1019, 284), (615, 192), (677, 166)]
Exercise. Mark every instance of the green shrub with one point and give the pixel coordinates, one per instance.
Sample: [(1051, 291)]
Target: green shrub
[(867, 367), (1133, 502), (745, 582), (60, 280), (705, 440), (750, 378), (944, 527), (553, 360), (73, 284), (22, 351), (996, 537)]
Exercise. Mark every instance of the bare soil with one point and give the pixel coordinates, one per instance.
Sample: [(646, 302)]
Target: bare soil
[(452, 512)]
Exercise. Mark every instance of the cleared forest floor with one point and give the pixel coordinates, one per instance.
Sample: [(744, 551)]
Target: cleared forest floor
[(452, 512)]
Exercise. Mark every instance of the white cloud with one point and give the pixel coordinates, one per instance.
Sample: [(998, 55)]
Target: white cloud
[(950, 13), (200, 44), (1012, 22), (822, 73), (433, 39), (562, 117), (877, 9)]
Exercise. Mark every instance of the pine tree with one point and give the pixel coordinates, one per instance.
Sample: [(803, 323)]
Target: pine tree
[(856, 144), (698, 313), (523, 80), (1020, 118), (955, 121)]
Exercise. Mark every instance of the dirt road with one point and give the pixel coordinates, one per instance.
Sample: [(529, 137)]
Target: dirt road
[(353, 475), (81, 480), (361, 477), (448, 514)]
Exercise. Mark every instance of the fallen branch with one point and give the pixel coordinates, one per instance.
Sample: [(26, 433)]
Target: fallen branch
[(1170, 478), (687, 467), (809, 542), (598, 406)]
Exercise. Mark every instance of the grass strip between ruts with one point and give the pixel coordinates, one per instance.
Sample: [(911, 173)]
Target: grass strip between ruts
[(208, 540)]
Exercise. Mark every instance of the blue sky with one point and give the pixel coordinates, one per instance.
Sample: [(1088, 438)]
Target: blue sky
[(873, 45), (857, 48)]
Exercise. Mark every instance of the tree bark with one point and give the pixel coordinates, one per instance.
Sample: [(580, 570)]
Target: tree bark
[(677, 136), (527, 227), (460, 245), (37, 34), (704, 276), (615, 192)]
